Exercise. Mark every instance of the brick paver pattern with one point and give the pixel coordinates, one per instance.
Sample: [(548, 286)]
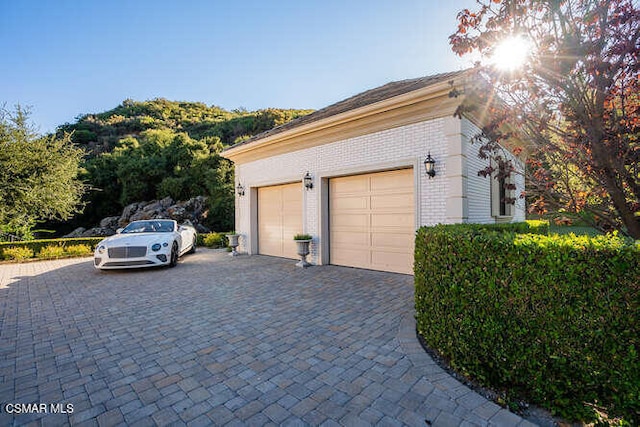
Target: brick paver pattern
[(219, 340)]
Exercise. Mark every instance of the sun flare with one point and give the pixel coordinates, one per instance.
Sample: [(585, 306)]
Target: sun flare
[(511, 53)]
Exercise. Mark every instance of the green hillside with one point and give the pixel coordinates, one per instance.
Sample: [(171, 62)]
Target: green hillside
[(141, 151), (101, 131)]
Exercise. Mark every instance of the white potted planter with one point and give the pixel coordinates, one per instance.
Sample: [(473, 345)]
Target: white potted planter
[(303, 241), (233, 243)]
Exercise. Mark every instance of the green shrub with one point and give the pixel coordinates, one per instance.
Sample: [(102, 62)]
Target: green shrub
[(78, 250), (17, 254), (302, 237), (213, 240), (529, 226), (553, 319), (36, 246), (51, 252)]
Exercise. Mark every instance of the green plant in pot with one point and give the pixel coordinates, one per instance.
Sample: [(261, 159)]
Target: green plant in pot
[(303, 241)]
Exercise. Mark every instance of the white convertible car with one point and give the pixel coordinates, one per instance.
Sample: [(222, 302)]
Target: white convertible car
[(148, 243)]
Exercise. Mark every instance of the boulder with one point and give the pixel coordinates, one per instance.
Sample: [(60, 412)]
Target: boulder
[(167, 201), (126, 214), (193, 210), (152, 206), (98, 232), (143, 214), (110, 222), (177, 212), (75, 233)]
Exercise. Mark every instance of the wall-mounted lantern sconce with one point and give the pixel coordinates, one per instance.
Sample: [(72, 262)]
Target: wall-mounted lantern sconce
[(308, 181), (430, 166), (240, 190)]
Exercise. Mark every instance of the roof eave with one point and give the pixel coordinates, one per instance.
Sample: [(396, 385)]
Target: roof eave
[(437, 90)]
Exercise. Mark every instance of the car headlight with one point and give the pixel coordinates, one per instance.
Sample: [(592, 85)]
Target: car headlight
[(101, 249), (156, 247)]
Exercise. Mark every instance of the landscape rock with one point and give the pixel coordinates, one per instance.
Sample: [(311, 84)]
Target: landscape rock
[(193, 210), (179, 213), (143, 214), (166, 202), (152, 206), (75, 233), (126, 214), (98, 232), (110, 222)]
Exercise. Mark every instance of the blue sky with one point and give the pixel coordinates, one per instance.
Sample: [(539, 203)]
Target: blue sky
[(67, 57)]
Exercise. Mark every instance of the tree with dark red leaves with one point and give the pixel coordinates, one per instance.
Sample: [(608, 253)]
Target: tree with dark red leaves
[(573, 101)]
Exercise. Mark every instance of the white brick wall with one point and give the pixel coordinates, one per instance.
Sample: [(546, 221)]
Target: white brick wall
[(479, 187), (405, 146)]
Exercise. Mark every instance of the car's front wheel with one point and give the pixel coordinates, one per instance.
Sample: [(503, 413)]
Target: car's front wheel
[(174, 255), (193, 245)]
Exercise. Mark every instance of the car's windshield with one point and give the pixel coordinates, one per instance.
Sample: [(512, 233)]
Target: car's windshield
[(149, 227)]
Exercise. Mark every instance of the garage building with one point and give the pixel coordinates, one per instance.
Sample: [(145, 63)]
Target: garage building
[(367, 189)]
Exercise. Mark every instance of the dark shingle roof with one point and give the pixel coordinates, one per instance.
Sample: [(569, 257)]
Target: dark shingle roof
[(363, 99)]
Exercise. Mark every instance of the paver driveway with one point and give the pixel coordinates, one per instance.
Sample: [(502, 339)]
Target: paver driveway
[(221, 340)]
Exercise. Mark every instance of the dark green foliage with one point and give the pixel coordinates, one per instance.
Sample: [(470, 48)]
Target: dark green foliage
[(141, 151), (553, 319), (38, 175), (36, 246), (101, 132)]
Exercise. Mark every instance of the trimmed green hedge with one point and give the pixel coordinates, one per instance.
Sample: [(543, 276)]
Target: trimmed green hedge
[(530, 226), (552, 319), (47, 248), (82, 246)]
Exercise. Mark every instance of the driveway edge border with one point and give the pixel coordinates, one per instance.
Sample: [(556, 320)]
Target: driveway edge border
[(480, 406)]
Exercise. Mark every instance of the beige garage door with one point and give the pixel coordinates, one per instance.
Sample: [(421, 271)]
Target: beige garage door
[(279, 219), (371, 221)]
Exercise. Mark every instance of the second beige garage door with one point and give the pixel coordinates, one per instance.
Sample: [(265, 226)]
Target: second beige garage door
[(371, 221), (279, 219)]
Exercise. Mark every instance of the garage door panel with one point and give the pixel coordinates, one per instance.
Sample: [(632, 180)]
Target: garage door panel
[(351, 257), (391, 261), (371, 221), (350, 238), (393, 240), (350, 220), (393, 180), (389, 220), (270, 248), (350, 203), (292, 196), (349, 185), (270, 232), (394, 202), (279, 219)]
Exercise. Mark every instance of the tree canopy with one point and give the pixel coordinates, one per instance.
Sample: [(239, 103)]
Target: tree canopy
[(38, 175), (141, 151), (100, 132), (574, 101)]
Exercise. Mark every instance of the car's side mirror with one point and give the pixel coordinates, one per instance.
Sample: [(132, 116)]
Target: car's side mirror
[(119, 230)]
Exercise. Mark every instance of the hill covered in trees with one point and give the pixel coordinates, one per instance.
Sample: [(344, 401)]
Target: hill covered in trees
[(141, 151), (101, 131)]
